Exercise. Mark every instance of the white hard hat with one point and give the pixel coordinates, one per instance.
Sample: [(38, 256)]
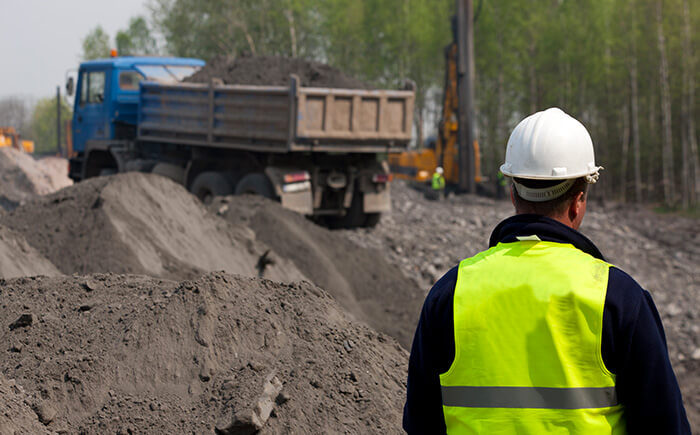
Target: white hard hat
[(550, 145), (439, 170)]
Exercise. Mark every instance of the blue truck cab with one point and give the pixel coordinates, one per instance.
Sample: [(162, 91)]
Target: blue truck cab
[(107, 96)]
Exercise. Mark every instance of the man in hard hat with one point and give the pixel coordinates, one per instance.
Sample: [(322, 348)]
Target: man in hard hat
[(438, 183), (538, 334)]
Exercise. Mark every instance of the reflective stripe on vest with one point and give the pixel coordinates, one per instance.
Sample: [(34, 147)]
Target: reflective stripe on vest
[(528, 322)]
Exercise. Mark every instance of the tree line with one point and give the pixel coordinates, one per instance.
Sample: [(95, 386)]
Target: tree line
[(626, 68)]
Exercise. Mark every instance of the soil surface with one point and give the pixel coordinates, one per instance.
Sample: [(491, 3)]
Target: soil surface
[(362, 281), (426, 238), (17, 416), (108, 353), (274, 70), (182, 348), (22, 177), (138, 223), (18, 258)]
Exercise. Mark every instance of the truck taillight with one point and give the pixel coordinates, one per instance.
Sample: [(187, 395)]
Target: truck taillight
[(381, 178), (295, 177)]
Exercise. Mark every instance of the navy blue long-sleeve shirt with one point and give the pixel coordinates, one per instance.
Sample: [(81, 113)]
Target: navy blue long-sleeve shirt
[(633, 343)]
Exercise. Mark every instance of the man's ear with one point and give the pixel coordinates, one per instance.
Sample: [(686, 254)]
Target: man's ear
[(576, 206), (512, 197)]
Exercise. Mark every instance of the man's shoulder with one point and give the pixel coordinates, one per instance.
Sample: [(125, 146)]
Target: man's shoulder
[(442, 292), (622, 288)]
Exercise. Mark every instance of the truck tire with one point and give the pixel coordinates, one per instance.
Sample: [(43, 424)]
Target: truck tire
[(372, 220), (207, 185), (354, 217), (256, 184)]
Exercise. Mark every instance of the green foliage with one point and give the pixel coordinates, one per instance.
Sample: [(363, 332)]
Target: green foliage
[(574, 54), (43, 124), (96, 44), (137, 39), (210, 28)]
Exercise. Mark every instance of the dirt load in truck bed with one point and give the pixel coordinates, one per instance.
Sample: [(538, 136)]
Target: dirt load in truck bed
[(274, 71)]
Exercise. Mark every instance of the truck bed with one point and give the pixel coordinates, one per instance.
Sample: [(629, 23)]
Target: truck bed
[(276, 118)]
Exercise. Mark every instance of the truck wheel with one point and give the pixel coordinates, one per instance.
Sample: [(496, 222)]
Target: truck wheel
[(372, 219), (207, 185), (256, 184), (354, 217)]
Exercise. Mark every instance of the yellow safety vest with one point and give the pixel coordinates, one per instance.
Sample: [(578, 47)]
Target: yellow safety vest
[(528, 320), (438, 181)]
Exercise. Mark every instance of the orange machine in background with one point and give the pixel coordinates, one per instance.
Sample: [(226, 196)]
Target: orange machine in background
[(10, 138), (419, 165)]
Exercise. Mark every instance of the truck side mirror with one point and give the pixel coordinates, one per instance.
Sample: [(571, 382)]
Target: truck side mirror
[(70, 86)]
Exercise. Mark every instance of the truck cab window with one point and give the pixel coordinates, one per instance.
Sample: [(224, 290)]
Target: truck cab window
[(96, 84), (92, 88), (129, 80)]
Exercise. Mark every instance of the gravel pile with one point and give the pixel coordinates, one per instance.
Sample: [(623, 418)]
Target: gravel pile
[(18, 258), (22, 177), (138, 223), (109, 353), (361, 279)]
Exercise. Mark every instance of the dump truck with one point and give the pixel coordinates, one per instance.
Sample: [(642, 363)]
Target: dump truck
[(319, 151)]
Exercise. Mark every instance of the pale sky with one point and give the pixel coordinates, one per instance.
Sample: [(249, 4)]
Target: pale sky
[(41, 39)]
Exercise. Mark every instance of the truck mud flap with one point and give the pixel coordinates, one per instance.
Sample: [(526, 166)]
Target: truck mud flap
[(377, 202)]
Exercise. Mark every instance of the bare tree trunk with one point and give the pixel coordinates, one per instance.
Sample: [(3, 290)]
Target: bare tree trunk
[(625, 153), (501, 128), (635, 130), (667, 135), (292, 30), (419, 127), (689, 136), (652, 155), (533, 78), (634, 108), (500, 117)]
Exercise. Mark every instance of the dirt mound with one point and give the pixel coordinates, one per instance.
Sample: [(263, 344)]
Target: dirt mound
[(22, 177), (274, 70), (360, 279), (138, 223), (132, 354), (17, 258), (16, 416), (427, 238)]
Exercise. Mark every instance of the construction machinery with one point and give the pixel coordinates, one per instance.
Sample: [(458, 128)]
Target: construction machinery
[(454, 149), (316, 150), (10, 138)]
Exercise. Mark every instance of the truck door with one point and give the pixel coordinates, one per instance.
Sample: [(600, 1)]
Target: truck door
[(90, 120)]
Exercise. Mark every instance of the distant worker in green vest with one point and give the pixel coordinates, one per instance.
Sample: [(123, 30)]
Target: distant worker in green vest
[(438, 183), (539, 334)]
